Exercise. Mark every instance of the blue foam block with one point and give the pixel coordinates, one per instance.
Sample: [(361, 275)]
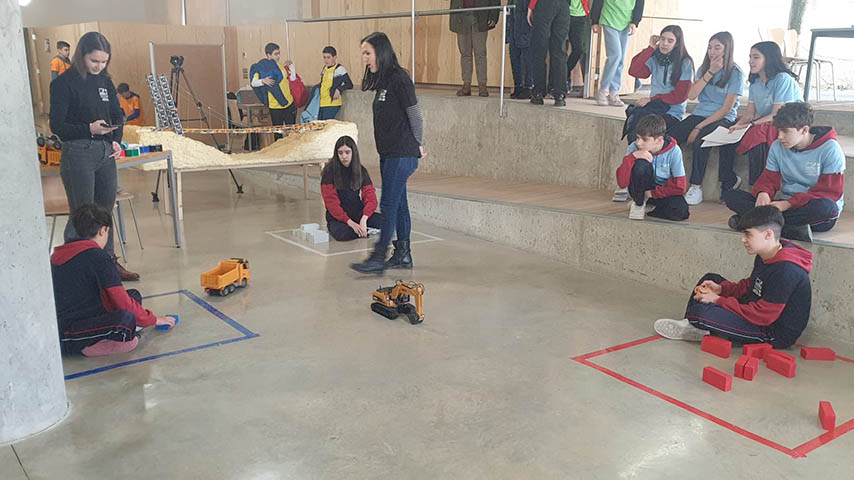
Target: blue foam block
[(166, 327)]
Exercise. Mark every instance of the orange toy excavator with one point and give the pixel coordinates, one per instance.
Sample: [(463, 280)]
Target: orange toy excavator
[(392, 301)]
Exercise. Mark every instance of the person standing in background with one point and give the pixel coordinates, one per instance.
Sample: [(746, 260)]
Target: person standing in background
[(550, 22), (617, 20), (60, 63), (471, 29), (579, 40), (519, 38)]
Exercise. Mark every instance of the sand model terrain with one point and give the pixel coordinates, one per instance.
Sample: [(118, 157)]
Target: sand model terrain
[(190, 154)]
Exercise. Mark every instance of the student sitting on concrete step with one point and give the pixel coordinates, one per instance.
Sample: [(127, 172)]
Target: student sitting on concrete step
[(772, 305), (349, 194), (653, 172), (804, 173), (95, 314)]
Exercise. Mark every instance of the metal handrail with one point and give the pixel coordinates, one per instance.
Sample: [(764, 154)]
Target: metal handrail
[(413, 14)]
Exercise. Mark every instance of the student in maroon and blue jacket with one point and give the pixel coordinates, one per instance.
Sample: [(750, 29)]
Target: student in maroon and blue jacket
[(349, 195), (803, 178), (95, 314), (772, 305)]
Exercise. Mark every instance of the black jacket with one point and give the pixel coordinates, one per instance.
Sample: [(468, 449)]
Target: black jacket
[(75, 102)]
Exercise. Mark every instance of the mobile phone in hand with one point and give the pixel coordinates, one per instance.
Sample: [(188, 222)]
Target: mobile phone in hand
[(107, 125)]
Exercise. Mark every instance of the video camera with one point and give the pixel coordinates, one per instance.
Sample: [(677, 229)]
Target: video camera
[(176, 60)]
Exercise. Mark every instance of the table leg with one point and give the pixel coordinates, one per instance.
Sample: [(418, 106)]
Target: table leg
[(180, 194), (174, 198), (305, 180)]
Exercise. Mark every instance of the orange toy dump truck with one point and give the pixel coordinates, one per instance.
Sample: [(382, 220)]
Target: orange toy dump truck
[(226, 276)]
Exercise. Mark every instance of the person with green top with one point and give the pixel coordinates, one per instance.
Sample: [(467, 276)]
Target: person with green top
[(471, 29), (616, 19), (579, 39)]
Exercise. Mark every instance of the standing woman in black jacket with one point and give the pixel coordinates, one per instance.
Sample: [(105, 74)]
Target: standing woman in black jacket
[(85, 114), (398, 126)]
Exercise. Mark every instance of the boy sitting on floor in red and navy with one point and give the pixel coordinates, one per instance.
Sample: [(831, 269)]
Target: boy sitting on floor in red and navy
[(349, 215), (804, 172), (95, 314), (653, 171), (771, 306)]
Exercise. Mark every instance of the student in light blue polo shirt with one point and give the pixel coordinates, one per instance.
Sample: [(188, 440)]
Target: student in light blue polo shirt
[(719, 82), (772, 85)]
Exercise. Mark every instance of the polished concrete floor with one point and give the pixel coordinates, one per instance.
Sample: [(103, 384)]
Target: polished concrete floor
[(486, 387)]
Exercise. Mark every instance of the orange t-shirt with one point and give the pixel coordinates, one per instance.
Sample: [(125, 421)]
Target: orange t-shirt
[(128, 106), (58, 65)]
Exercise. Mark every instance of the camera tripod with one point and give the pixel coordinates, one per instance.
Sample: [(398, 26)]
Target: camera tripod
[(174, 83)]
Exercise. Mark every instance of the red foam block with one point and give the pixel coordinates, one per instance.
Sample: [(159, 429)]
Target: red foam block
[(717, 378), (817, 353), (739, 366), (757, 350), (826, 416), (780, 362), (716, 346), (750, 368)]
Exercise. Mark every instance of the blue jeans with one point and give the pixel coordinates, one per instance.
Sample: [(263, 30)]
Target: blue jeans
[(328, 113), (521, 63), (615, 49), (393, 205)]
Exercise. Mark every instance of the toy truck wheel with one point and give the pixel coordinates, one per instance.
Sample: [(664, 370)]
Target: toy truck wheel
[(243, 283), (223, 291)]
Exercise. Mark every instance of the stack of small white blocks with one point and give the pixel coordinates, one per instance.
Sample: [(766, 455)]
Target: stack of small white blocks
[(311, 233)]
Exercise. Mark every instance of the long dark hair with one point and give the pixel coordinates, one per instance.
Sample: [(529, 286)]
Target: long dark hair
[(726, 39), (337, 168), (678, 54), (88, 43), (386, 62), (774, 63)]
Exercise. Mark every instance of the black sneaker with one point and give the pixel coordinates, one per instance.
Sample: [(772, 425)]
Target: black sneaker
[(524, 94), (559, 101), (537, 98), (576, 91), (733, 222), (801, 233)]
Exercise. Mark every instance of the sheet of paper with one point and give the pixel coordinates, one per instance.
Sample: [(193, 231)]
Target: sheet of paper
[(722, 136)]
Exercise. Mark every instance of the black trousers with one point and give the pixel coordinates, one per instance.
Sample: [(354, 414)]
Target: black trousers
[(118, 325), (819, 213), (283, 116), (757, 156), (673, 207), (700, 156), (579, 36), (548, 34), (342, 232)]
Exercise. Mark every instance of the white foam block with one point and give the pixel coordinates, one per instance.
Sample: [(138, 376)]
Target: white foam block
[(319, 236), (307, 227)]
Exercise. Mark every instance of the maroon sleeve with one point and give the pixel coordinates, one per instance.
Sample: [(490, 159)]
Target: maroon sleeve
[(532, 4), (678, 95), (730, 289), (673, 186), (760, 312), (624, 171), (117, 298), (829, 185), (369, 199), (769, 182), (638, 68), (333, 204)]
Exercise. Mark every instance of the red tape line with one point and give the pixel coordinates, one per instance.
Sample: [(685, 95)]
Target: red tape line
[(820, 440), (616, 348)]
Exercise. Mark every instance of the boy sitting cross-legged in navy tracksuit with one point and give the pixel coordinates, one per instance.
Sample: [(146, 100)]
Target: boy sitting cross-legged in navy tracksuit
[(770, 306), (803, 176), (653, 172), (95, 314)]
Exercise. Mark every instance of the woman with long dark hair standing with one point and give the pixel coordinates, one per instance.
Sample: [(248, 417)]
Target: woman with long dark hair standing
[(398, 126), (772, 85), (85, 114), (719, 82)]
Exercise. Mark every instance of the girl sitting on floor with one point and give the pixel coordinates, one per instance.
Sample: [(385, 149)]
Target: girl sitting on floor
[(772, 85), (348, 194)]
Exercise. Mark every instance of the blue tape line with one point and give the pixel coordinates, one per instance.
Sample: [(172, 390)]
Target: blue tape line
[(247, 334)]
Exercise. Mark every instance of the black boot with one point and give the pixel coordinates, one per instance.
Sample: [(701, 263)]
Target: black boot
[(524, 93), (515, 93), (402, 256), (537, 98), (374, 264)]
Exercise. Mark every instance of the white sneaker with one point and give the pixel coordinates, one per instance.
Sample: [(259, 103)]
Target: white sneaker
[(373, 231), (620, 195), (678, 330), (602, 98), (694, 195), (614, 100), (637, 212)]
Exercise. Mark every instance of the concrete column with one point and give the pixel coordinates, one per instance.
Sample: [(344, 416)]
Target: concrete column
[(32, 388)]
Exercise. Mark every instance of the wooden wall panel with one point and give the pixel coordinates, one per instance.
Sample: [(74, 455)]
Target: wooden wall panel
[(207, 12)]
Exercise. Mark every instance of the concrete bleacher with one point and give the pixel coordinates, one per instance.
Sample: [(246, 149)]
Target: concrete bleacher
[(541, 180)]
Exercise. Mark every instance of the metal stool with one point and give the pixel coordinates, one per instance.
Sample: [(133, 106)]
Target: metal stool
[(120, 224)]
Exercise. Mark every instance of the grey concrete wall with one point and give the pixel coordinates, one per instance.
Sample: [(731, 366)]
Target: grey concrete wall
[(619, 246), (32, 389), (532, 144)]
